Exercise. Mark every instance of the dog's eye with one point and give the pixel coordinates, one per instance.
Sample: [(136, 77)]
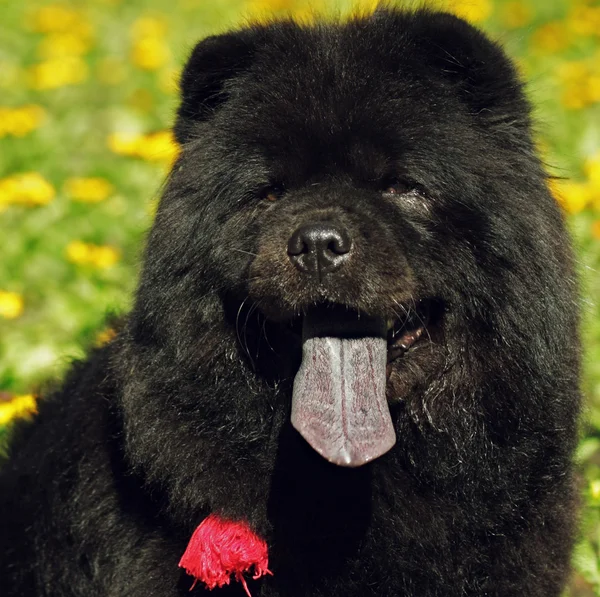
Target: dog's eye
[(397, 186), (272, 192)]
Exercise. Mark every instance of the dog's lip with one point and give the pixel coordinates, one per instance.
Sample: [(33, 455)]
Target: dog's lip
[(404, 333)]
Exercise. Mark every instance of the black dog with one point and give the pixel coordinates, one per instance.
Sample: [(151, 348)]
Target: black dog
[(356, 259)]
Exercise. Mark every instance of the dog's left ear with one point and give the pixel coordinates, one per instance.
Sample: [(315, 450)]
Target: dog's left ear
[(475, 66), (212, 63)]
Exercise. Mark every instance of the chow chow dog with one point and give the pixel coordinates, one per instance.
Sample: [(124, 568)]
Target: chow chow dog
[(352, 364)]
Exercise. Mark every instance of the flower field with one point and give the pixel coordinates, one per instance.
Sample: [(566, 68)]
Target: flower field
[(88, 90)]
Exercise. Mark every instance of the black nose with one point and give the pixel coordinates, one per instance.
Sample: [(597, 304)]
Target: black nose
[(319, 248)]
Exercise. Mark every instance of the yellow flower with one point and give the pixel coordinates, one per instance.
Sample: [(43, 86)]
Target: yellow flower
[(168, 80), (78, 252), (592, 170), (18, 406), (58, 72), (475, 11), (52, 18), (99, 256), (580, 84), (573, 71), (150, 53), (123, 143), (104, 256), (551, 37), (153, 147), (584, 20), (307, 15), (11, 304), (27, 188), (111, 70), (59, 45), (573, 196), (149, 27), (18, 122), (105, 336), (88, 190), (150, 50), (516, 14), (593, 88), (574, 99), (159, 147), (263, 8)]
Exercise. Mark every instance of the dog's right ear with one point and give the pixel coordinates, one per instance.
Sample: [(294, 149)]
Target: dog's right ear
[(212, 63)]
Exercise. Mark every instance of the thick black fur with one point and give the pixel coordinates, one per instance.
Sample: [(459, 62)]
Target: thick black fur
[(187, 412)]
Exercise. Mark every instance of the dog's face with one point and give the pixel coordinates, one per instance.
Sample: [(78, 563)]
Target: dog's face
[(369, 174)]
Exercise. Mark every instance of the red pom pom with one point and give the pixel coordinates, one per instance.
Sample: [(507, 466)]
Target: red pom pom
[(220, 548)]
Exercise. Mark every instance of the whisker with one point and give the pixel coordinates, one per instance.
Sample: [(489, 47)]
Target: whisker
[(423, 324), (243, 344), (245, 252), (245, 333)]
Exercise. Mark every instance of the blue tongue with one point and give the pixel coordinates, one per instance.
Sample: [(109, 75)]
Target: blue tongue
[(339, 404)]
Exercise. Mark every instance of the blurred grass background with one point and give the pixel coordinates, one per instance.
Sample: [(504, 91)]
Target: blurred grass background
[(87, 95)]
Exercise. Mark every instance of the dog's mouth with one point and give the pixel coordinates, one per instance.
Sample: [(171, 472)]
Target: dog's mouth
[(339, 400), (402, 331)]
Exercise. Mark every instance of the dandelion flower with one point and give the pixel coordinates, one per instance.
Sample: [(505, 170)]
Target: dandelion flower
[(17, 406), (573, 196), (475, 11), (11, 304), (58, 72), (168, 80), (105, 336), (159, 147), (88, 190), (551, 37), (584, 20), (104, 256), (150, 53), (592, 170), (123, 143), (148, 26), (52, 18), (59, 45), (153, 147), (98, 256), (579, 84), (78, 252), (27, 188), (516, 14), (20, 121)]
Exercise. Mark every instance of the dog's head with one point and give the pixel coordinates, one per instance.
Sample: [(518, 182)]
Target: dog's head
[(357, 193)]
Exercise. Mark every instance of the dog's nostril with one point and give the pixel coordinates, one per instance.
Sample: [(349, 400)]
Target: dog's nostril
[(319, 248), (338, 247)]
